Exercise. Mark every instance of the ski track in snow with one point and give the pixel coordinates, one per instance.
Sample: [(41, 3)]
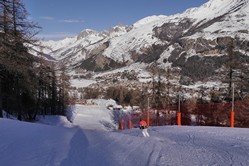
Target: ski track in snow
[(88, 143), (171, 145), (194, 148)]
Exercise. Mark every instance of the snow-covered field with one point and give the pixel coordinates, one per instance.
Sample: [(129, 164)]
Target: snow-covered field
[(81, 83), (91, 141)]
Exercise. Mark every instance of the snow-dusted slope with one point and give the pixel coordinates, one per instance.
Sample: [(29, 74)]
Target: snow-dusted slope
[(75, 45), (235, 12), (75, 50), (215, 8), (51, 45), (138, 39)]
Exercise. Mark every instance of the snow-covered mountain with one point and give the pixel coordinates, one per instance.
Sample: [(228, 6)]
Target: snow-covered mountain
[(197, 36)]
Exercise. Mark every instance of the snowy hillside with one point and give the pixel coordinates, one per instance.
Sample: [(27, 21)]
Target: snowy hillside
[(203, 31), (236, 14), (56, 45), (140, 36), (88, 142), (74, 50)]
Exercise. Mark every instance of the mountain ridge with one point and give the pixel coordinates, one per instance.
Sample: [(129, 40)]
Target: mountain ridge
[(193, 42)]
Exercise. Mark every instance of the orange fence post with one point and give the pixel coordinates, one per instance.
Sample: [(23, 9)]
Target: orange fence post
[(179, 120), (130, 124), (232, 119), (121, 125), (148, 120)]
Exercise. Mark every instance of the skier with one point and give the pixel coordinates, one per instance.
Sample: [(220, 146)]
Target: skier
[(143, 126)]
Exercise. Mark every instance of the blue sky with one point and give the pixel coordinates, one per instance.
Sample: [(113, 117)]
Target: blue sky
[(65, 18)]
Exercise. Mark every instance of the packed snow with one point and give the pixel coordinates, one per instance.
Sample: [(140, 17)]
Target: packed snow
[(92, 139)]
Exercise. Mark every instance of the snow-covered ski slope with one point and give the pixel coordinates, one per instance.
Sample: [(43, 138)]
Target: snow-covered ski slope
[(91, 142)]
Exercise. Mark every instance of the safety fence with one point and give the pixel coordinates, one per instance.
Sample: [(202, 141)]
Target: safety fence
[(211, 114)]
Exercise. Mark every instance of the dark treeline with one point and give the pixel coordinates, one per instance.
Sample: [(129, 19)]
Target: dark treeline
[(29, 85)]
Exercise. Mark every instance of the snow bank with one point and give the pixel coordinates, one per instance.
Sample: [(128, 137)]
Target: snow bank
[(54, 120), (31, 144)]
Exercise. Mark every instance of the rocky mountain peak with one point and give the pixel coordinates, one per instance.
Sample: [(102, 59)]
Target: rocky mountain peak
[(85, 33), (117, 30)]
